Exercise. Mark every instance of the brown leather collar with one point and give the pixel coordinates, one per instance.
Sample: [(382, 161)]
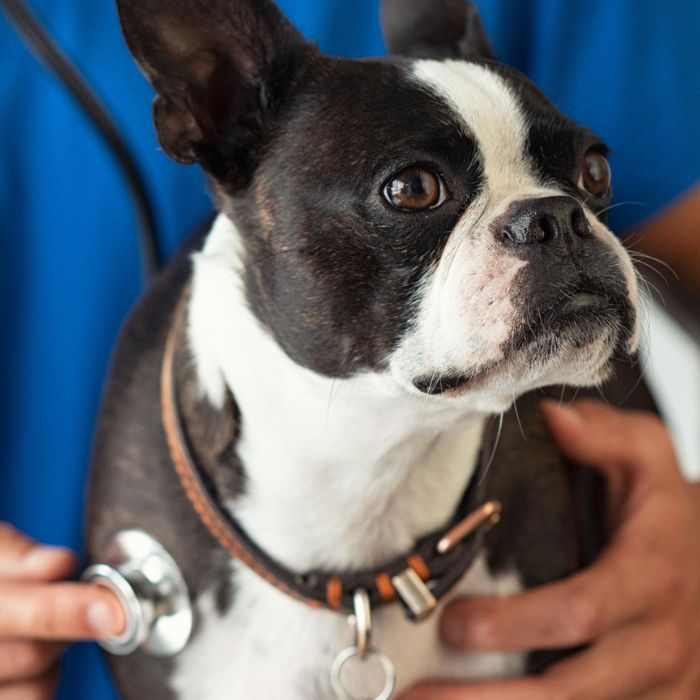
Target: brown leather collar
[(419, 579)]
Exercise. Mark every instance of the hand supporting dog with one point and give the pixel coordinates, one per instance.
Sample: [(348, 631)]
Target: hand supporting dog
[(37, 613), (637, 609)]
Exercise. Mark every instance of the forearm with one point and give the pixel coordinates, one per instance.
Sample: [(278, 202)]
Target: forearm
[(695, 490), (674, 237)]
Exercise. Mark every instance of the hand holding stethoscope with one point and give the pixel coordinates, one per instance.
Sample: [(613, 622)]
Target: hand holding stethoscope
[(39, 613)]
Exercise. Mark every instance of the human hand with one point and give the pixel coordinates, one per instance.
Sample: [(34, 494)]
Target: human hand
[(637, 608), (37, 613)]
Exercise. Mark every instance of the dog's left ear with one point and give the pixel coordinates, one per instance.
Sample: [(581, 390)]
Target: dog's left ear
[(222, 70), (434, 29)]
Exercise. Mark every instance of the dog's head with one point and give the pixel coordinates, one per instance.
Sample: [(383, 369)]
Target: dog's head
[(431, 217)]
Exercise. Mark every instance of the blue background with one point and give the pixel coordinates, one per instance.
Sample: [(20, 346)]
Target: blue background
[(69, 258)]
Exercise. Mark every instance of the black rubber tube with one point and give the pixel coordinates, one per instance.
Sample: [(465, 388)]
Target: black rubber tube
[(48, 53)]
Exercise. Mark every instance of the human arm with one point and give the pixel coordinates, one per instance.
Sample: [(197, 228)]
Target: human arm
[(673, 236)]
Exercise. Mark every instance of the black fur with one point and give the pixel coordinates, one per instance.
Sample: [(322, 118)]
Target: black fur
[(434, 29), (328, 258), (301, 155), (299, 147), (222, 71)]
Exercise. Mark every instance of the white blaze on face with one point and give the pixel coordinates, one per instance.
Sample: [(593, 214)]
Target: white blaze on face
[(466, 312), (491, 113)]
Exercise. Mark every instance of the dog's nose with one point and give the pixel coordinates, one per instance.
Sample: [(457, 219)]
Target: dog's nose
[(542, 220)]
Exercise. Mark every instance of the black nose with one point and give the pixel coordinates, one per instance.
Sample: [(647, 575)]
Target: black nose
[(543, 220)]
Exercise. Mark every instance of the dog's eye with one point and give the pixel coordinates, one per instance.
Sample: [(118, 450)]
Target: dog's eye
[(415, 189), (596, 176)]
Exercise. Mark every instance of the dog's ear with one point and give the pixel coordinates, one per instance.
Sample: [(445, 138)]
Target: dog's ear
[(434, 29), (221, 68)]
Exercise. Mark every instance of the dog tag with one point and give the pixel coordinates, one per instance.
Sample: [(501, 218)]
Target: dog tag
[(152, 592), (363, 652), (344, 657)]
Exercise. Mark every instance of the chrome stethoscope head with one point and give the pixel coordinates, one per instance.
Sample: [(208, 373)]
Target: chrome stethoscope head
[(152, 592)]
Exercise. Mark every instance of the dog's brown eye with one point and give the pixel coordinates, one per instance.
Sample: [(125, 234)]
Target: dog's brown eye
[(596, 176), (415, 189)]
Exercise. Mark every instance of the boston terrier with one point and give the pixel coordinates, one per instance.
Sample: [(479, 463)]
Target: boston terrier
[(404, 247)]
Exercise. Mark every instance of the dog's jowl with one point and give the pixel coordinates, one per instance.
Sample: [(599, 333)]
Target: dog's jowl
[(404, 247)]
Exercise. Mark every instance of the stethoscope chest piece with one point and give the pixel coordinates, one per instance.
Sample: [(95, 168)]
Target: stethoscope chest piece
[(152, 591)]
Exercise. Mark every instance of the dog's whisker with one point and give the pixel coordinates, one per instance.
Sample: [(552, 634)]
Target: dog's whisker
[(648, 266), (642, 373), (575, 395), (649, 286), (619, 204), (517, 413), (494, 451), (638, 257)]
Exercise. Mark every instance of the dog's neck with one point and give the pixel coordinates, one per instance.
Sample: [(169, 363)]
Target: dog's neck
[(339, 473)]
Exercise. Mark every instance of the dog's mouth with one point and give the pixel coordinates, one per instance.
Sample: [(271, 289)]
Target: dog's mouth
[(438, 383), (579, 317), (583, 301)]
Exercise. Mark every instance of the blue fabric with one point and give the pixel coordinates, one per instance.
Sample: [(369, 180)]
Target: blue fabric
[(629, 70), (69, 258)]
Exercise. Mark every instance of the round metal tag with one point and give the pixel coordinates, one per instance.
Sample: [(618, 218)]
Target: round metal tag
[(384, 661)]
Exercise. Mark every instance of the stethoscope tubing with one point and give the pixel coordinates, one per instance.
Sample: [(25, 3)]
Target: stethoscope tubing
[(47, 52)]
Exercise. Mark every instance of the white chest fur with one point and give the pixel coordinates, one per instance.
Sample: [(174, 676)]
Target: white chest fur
[(340, 474)]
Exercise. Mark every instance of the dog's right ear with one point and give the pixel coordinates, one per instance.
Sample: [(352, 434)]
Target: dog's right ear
[(221, 69), (434, 29)]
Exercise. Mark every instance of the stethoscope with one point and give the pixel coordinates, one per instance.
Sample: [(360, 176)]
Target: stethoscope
[(47, 52), (152, 591), (135, 567)]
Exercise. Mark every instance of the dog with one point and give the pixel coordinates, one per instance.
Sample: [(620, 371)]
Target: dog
[(404, 247)]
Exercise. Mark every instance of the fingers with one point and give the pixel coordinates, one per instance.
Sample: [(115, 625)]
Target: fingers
[(59, 611), (43, 688), (23, 559), (565, 614), (21, 661), (634, 609), (593, 433), (33, 610), (626, 664), (528, 689)]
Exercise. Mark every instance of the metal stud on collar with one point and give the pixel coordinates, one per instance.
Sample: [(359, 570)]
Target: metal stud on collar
[(487, 516), (363, 651), (415, 594)]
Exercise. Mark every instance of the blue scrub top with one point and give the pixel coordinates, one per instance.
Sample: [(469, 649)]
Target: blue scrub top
[(69, 260)]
